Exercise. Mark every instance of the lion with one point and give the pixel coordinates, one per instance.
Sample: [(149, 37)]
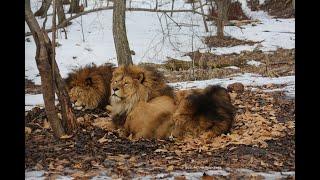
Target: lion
[(141, 101), (208, 112), (89, 86), (147, 107)]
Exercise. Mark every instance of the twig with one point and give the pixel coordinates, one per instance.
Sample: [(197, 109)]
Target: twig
[(203, 17), (128, 9), (172, 6), (173, 20)]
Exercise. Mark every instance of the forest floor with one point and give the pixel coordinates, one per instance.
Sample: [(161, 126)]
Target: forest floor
[(261, 142)]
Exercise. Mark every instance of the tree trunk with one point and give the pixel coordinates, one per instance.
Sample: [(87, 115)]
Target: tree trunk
[(43, 9), (66, 108), (120, 34), (42, 60), (60, 11), (65, 1), (223, 9), (50, 79), (204, 19), (74, 6), (172, 6)]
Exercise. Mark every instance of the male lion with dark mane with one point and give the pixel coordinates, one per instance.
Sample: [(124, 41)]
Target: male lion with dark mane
[(143, 103), (89, 86)]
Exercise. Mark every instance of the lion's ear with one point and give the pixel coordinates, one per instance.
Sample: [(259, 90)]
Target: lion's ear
[(88, 81), (141, 77)]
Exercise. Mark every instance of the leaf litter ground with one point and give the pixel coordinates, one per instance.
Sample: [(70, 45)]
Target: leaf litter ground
[(262, 139)]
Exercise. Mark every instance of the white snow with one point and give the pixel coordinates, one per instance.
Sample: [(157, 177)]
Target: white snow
[(232, 67), (254, 63), (246, 79), (153, 36), (33, 100), (39, 175)]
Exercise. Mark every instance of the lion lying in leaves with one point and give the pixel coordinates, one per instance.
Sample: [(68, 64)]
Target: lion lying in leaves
[(146, 107), (89, 86)]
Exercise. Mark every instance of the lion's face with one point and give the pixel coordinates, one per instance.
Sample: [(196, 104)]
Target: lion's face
[(124, 87), (87, 90), (87, 97)]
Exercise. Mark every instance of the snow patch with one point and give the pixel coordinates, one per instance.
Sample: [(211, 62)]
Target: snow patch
[(232, 67), (254, 63), (246, 79)]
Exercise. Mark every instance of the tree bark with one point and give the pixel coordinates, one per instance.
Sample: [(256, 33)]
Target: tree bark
[(65, 1), (60, 11), (74, 6), (120, 34), (51, 78), (223, 9), (43, 9), (42, 60)]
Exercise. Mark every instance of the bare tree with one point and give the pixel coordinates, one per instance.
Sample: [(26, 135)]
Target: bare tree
[(120, 34), (223, 9), (50, 78), (203, 17), (60, 11), (74, 6), (44, 8)]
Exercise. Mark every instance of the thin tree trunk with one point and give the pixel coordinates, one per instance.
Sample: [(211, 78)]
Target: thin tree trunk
[(223, 9), (172, 6), (120, 34), (43, 9), (156, 5), (66, 108), (204, 18), (42, 60), (74, 6), (51, 78), (60, 11), (65, 1)]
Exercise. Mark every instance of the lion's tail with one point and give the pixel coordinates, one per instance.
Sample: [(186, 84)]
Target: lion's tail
[(213, 104)]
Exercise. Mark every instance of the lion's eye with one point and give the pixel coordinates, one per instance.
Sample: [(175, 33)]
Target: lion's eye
[(125, 83)]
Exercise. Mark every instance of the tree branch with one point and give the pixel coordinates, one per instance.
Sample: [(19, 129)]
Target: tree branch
[(128, 9)]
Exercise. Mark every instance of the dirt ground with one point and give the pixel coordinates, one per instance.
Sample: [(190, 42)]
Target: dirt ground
[(268, 144)]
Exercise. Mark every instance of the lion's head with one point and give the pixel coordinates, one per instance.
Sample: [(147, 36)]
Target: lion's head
[(132, 84), (89, 86)]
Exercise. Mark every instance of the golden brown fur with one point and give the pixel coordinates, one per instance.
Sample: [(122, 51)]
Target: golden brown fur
[(146, 106), (89, 86), (136, 92)]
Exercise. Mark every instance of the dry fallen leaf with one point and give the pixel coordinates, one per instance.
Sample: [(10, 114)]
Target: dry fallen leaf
[(27, 130), (170, 168), (103, 139), (46, 124), (161, 150), (65, 136)]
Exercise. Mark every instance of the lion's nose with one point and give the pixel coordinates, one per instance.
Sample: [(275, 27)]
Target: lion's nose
[(115, 89)]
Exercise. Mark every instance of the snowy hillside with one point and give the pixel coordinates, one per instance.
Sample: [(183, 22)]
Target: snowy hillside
[(147, 39)]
